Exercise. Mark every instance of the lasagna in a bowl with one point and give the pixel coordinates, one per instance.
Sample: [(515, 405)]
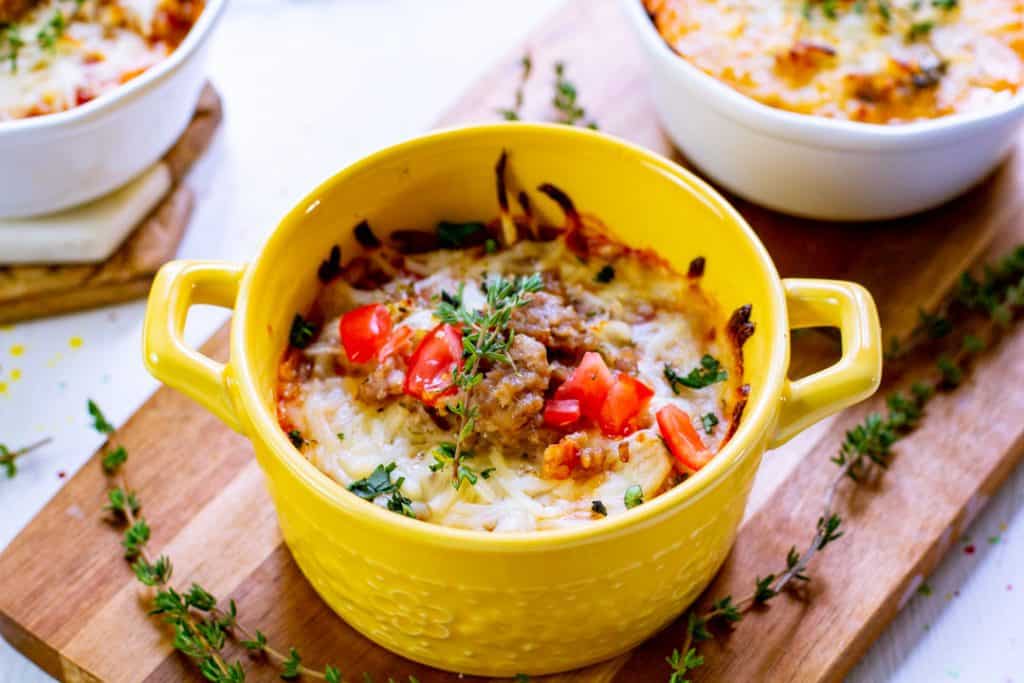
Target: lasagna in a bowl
[(511, 375), (876, 61), (58, 54)]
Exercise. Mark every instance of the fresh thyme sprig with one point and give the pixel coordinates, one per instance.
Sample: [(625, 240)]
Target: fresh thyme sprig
[(9, 458), (867, 448), (513, 112), (486, 337), (566, 100), (202, 624)]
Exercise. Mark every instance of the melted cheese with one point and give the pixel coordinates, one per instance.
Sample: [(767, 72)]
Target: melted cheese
[(878, 61), (101, 45), (683, 326)]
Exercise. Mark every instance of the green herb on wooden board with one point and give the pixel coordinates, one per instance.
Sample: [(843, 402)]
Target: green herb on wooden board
[(202, 623), (980, 309)]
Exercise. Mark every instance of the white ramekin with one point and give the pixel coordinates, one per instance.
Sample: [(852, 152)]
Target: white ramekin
[(53, 162), (813, 166)]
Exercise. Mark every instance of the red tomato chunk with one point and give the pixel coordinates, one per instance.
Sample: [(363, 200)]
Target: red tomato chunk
[(624, 402), (433, 363), (683, 440), (364, 331)]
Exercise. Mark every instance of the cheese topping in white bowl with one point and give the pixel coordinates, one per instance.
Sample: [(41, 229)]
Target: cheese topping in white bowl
[(63, 53)]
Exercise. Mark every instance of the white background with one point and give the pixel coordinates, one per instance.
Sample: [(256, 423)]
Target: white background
[(310, 86)]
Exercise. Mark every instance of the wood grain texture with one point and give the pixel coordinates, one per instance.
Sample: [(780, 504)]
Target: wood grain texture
[(205, 498), (36, 291)]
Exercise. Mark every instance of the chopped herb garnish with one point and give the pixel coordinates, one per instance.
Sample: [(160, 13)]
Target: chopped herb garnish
[(598, 508), (919, 29), (709, 421), (377, 484), (295, 436), (490, 245), (11, 34), (945, 4), (341, 436), (605, 275), (302, 332), (399, 503), (884, 11), (486, 473), (52, 31), (634, 496), (459, 235), (709, 372), (331, 268)]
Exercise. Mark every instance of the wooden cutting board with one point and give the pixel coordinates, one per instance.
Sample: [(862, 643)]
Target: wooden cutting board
[(68, 601), (36, 291)]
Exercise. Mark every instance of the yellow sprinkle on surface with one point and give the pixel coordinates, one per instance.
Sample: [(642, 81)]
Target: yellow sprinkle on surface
[(15, 375), (75, 342), (3, 388), (17, 350)]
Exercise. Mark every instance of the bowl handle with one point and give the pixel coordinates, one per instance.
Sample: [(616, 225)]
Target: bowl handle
[(178, 286), (831, 303)]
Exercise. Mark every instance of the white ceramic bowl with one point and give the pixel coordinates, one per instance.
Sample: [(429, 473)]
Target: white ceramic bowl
[(53, 162), (813, 166)]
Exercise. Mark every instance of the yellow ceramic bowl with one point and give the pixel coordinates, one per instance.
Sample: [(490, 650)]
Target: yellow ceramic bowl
[(497, 604)]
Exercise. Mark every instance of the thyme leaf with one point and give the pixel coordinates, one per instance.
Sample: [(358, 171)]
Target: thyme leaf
[(995, 299), (486, 336), (514, 112), (202, 624)]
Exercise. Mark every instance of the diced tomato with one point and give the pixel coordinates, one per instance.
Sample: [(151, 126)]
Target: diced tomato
[(623, 402), (589, 384), (364, 331), (561, 412), (397, 343), (432, 364), (683, 440)]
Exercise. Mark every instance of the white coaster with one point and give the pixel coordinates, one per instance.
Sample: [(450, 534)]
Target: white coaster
[(87, 233)]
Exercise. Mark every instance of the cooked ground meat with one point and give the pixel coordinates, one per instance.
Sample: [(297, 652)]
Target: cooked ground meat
[(578, 454), (552, 322), (510, 396), (11, 10), (384, 381)]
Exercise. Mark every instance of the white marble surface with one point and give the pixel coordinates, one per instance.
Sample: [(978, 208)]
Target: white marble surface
[(309, 86)]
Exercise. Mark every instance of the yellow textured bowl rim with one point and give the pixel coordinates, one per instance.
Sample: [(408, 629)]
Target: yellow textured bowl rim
[(752, 427)]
